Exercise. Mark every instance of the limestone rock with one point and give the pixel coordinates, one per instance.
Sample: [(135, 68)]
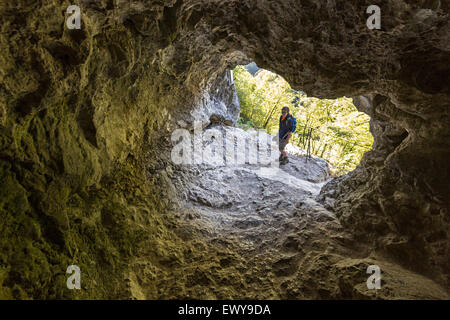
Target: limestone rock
[(87, 115)]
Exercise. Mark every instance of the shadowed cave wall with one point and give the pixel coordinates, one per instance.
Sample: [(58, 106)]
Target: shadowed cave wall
[(86, 119)]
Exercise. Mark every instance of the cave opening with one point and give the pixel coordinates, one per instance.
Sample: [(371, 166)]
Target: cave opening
[(267, 218), (331, 129), (276, 220)]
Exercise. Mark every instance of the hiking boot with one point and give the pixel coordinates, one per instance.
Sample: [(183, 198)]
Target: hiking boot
[(284, 160)]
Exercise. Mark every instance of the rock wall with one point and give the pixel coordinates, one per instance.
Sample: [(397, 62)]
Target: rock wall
[(86, 118), (397, 198)]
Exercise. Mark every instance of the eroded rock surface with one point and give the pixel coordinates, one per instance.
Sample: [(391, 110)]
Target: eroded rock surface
[(87, 116), (264, 233)]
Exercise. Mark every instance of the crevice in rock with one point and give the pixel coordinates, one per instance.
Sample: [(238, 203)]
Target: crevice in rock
[(85, 119)]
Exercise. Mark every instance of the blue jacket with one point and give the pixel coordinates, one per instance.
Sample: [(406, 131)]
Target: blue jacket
[(286, 126)]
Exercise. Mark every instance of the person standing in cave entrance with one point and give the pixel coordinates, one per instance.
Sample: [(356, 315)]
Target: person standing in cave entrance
[(287, 127)]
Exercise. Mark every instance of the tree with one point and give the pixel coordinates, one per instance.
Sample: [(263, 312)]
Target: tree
[(335, 130)]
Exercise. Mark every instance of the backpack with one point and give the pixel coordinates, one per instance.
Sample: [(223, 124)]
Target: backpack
[(294, 123)]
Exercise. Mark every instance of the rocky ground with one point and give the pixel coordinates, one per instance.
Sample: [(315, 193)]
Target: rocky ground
[(259, 233)]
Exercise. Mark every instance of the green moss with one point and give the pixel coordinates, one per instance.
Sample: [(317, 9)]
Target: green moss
[(64, 200), (51, 220), (13, 196), (5, 292)]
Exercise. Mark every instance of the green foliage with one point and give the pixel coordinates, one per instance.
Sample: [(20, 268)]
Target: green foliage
[(333, 129), (261, 97), (245, 124)]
